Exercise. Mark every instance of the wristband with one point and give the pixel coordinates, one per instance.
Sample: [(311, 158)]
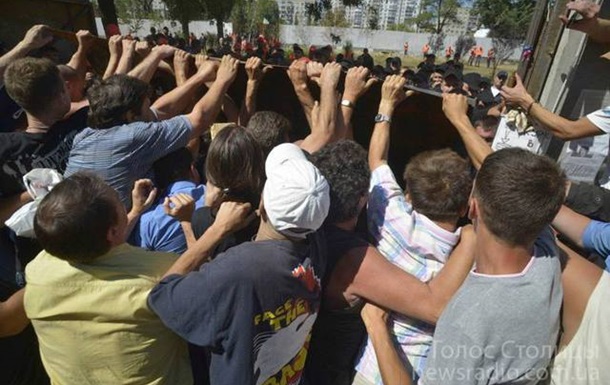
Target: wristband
[(347, 103), (529, 108)]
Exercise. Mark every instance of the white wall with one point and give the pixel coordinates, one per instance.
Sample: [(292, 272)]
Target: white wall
[(373, 40), (308, 35)]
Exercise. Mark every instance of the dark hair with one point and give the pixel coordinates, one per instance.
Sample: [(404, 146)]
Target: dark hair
[(488, 122), (439, 184), (344, 165), (269, 129), (519, 193), (173, 167), (113, 98), (33, 83), (73, 220), (235, 164)]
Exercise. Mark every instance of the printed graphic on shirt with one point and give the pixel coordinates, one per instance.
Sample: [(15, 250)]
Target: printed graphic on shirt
[(281, 349)]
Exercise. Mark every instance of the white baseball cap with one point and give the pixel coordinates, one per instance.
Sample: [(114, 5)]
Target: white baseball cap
[(296, 195)]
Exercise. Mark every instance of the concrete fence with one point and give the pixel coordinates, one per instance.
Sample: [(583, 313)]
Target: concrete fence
[(374, 40)]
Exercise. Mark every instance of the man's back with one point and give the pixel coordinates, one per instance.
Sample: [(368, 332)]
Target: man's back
[(124, 153), (500, 329), (254, 306), (94, 325), (158, 231)]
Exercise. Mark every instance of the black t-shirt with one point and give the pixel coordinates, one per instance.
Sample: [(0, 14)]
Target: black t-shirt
[(337, 334), (21, 152), (203, 219), (11, 115), (253, 306)]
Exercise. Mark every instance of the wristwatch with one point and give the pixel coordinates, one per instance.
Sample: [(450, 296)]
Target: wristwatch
[(347, 103), (379, 118)]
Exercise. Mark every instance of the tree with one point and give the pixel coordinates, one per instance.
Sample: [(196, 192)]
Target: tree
[(185, 11), (218, 10), (508, 22), (133, 12), (435, 14), (334, 18), (403, 27), (248, 17), (463, 44), (373, 19)]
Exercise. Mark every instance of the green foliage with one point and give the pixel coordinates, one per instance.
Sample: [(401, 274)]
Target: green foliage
[(373, 19), (248, 17), (334, 18), (464, 43), (316, 10), (436, 14), (185, 11), (506, 19), (403, 27), (133, 12)]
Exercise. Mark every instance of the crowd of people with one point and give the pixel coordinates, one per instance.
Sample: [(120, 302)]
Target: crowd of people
[(178, 250)]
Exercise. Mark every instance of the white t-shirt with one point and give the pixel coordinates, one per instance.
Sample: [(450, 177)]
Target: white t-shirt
[(601, 119), (584, 361)]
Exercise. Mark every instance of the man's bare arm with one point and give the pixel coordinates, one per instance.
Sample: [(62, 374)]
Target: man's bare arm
[(393, 371), (392, 94), (325, 119), (562, 128), (298, 76), (78, 61), (142, 197), (231, 217), (378, 281), (597, 29), (455, 108), (36, 37), (357, 82), (571, 224), (255, 71), (205, 111), (115, 46), (12, 315), (147, 67), (180, 98), (579, 279), (128, 57)]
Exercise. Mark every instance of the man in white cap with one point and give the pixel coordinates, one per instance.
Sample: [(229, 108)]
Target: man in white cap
[(254, 305)]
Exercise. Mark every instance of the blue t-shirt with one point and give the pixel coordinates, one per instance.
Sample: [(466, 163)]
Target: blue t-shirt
[(123, 154), (157, 231), (253, 307), (596, 237)]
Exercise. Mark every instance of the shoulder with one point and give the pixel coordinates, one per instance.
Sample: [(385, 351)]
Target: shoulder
[(601, 119)]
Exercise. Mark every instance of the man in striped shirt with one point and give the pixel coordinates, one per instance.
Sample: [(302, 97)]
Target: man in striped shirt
[(416, 230)]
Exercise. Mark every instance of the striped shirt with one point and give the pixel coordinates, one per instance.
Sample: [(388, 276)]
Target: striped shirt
[(120, 155), (417, 245)]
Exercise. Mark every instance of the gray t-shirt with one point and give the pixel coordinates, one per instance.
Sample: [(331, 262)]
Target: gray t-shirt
[(123, 154), (500, 329)]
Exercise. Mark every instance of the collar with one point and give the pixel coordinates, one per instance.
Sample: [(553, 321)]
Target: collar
[(180, 185)]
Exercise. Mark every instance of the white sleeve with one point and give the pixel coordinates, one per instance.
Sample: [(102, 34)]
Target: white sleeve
[(601, 119)]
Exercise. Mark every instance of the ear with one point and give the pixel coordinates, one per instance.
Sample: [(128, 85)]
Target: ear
[(473, 211), (115, 235), (130, 116), (262, 214), (408, 198), (195, 177)]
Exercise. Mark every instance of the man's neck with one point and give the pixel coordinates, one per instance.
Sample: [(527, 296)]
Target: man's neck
[(449, 226), (39, 123), (349, 225), (268, 233), (494, 257)]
